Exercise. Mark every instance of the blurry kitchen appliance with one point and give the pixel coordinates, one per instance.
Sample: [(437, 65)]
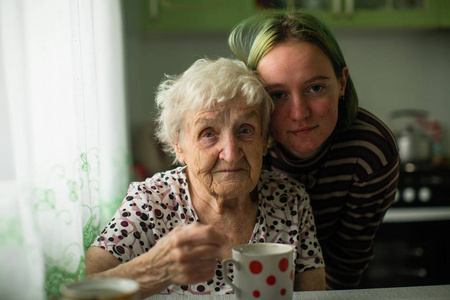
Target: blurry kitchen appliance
[(413, 138), (412, 245), (426, 187), (410, 254)]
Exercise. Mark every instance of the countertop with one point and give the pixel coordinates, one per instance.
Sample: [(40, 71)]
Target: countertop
[(417, 214), (418, 292)]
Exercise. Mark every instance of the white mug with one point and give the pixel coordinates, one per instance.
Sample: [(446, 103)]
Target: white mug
[(261, 271)]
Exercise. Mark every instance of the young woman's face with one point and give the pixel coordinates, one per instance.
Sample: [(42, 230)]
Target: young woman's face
[(306, 93)]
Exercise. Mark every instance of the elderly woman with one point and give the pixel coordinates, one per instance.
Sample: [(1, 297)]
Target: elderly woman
[(172, 230)]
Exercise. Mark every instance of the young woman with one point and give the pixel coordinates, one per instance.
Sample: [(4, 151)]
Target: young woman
[(347, 158)]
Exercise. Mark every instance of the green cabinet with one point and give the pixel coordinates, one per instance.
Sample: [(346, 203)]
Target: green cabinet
[(370, 13), (444, 16), (222, 15), (194, 15)]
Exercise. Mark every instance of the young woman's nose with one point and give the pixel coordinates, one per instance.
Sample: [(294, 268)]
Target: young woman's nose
[(230, 148), (299, 108)]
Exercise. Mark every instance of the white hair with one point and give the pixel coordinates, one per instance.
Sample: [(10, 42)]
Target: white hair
[(206, 83)]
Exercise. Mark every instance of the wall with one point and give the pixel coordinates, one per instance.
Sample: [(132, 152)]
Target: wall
[(401, 69), (149, 59), (392, 69)]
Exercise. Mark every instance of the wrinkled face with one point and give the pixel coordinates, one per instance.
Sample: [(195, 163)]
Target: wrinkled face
[(305, 91), (223, 149)]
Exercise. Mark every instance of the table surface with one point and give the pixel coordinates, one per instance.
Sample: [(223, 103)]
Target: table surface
[(418, 292)]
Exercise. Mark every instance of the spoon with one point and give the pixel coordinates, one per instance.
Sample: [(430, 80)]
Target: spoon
[(237, 248)]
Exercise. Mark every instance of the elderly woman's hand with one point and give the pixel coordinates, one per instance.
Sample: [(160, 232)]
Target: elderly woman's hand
[(186, 255)]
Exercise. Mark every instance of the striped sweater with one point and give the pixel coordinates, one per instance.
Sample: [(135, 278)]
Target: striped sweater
[(352, 182)]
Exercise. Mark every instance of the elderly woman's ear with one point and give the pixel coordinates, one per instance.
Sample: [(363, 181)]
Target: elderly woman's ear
[(179, 152)]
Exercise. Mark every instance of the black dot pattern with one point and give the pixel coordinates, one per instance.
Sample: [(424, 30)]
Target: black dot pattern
[(154, 207)]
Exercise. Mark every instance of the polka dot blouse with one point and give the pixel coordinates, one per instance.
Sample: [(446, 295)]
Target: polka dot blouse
[(154, 207)]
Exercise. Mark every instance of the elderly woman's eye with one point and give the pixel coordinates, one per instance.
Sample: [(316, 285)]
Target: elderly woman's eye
[(208, 134), (246, 130)]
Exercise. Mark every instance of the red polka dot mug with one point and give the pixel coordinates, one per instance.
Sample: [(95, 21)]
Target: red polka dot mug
[(261, 271)]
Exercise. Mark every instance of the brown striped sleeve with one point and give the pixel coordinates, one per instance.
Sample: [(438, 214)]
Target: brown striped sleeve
[(352, 182)]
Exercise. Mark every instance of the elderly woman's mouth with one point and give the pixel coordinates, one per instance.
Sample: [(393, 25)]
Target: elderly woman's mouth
[(230, 170)]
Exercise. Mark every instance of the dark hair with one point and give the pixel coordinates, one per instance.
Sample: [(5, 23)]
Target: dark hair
[(251, 39)]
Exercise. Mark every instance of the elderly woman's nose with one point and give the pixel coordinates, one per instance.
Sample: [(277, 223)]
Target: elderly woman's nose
[(230, 148)]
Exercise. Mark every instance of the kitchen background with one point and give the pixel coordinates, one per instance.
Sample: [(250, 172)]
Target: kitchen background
[(398, 53), (394, 65)]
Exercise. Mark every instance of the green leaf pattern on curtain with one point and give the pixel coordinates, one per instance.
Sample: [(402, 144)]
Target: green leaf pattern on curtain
[(91, 228), (90, 231), (65, 111), (11, 233), (57, 203), (57, 276), (118, 168)]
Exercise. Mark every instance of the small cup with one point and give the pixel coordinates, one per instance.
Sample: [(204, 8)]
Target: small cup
[(262, 271), (101, 289)]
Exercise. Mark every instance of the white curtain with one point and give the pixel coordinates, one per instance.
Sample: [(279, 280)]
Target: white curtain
[(64, 151)]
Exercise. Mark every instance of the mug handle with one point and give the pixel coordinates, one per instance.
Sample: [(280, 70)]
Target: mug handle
[(227, 279)]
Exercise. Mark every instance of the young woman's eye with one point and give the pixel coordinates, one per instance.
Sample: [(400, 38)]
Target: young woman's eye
[(315, 88), (277, 95)]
